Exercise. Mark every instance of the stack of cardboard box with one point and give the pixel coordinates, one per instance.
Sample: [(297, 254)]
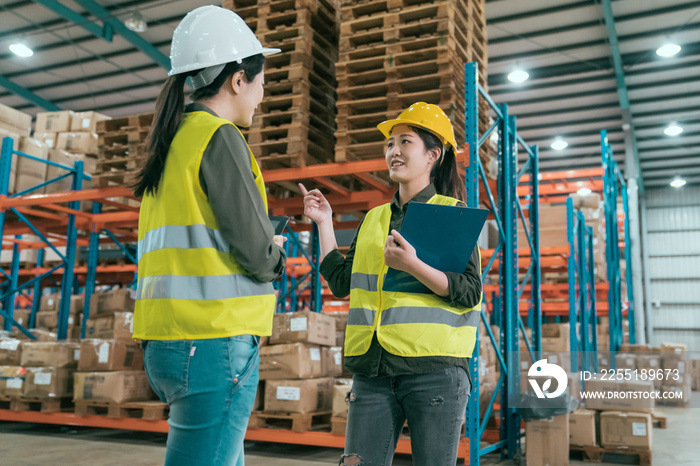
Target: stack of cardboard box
[(546, 441), (47, 317), (49, 368), (17, 125), (12, 375), (70, 137), (298, 365), (676, 385), (111, 363), (622, 409)]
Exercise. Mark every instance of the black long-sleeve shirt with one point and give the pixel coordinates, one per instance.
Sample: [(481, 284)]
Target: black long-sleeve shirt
[(464, 290), (226, 177)]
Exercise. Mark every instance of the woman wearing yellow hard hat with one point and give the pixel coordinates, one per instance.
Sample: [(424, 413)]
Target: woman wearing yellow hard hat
[(207, 250), (408, 352)]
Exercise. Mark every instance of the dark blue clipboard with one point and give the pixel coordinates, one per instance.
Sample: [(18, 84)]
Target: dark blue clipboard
[(444, 238)]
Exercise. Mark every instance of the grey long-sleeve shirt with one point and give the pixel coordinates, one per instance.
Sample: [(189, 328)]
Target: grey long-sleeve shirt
[(226, 177)]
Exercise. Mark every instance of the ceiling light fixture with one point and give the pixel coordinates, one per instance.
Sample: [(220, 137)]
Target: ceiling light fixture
[(673, 130), (21, 50), (584, 192), (136, 23), (559, 144), (678, 182), (518, 76), (669, 49)]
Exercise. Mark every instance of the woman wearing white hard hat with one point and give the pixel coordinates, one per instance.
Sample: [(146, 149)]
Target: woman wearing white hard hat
[(207, 250)]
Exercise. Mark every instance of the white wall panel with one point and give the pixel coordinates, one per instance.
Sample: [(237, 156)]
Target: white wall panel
[(673, 248)]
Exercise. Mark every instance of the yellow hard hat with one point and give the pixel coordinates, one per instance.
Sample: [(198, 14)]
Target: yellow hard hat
[(426, 116)]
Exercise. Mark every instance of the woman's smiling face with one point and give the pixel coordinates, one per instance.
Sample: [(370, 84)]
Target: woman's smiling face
[(406, 155)]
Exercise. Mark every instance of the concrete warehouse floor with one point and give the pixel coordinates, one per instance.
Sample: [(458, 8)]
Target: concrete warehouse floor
[(36, 444)]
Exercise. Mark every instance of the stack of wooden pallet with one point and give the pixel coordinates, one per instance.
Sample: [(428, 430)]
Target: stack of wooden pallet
[(295, 123), (118, 143), (397, 52)]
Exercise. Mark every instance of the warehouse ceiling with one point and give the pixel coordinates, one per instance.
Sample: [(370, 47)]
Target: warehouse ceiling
[(84, 59)]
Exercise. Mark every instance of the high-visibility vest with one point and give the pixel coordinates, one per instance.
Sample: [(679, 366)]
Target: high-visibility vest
[(189, 284), (407, 324)]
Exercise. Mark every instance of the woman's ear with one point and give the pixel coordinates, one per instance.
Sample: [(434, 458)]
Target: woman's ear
[(236, 81), (434, 154)]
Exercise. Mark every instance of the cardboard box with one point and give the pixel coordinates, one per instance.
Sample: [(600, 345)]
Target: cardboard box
[(47, 138), (77, 143), (110, 355), (86, 121), (303, 327), (555, 337), (332, 360), (676, 395), (49, 302), (11, 117), (31, 173), (12, 380), (55, 354), (290, 361), (299, 396), (120, 300), (39, 334), (636, 348), (547, 441), (625, 429), (591, 200), (625, 361), (341, 320), (111, 387), (603, 360), (48, 382), (64, 158), (21, 316), (49, 319), (53, 122), (340, 405), (625, 395), (560, 358), (582, 427), (119, 326)]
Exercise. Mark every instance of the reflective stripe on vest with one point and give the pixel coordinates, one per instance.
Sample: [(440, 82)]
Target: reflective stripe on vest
[(182, 237), (407, 324), (190, 286)]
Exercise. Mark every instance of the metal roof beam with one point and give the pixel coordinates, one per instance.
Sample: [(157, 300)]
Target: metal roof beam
[(632, 156), (105, 32), (139, 42), (28, 95)]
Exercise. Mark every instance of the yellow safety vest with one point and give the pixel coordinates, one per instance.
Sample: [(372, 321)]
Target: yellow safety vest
[(407, 324), (189, 284)]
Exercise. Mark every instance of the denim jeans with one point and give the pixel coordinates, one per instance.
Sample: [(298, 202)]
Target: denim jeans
[(434, 404), (210, 387)]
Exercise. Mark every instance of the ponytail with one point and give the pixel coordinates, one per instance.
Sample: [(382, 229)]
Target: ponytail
[(445, 175), (166, 119)]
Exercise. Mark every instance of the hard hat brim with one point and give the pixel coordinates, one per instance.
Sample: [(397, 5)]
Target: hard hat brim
[(266, 52), (386, 126)]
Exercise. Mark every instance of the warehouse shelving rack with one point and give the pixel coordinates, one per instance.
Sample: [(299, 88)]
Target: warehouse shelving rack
[(510, 289), (615, 186), (48, 216)]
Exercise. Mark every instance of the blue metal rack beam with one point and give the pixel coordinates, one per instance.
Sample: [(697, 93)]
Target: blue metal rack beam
[(105, 32), (505, 306)]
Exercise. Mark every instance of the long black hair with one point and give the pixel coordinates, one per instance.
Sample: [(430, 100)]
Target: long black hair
[(168, 112), (444, 175)]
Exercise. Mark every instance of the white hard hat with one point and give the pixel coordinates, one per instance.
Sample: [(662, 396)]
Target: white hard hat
[(209, 36)]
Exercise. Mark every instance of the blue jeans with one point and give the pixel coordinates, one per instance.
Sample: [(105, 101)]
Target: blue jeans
[(210, 387), (434, 404)]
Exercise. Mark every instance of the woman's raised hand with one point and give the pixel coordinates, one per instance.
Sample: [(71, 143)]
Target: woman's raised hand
[(316, 207)]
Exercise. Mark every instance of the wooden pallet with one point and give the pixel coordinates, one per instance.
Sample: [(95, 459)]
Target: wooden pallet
[(127, 135), (149, 410), (658, 420), (106, 180), (294, 421), (596, 454), (125, 123), (119, 163), (44, 405), (313, 13)]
